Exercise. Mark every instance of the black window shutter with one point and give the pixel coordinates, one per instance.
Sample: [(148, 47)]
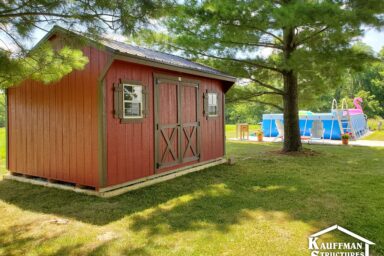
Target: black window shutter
[(118, 101), (205, 102)]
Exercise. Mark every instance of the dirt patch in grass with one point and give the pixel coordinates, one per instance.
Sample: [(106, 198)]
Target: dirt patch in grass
[(305, 152)]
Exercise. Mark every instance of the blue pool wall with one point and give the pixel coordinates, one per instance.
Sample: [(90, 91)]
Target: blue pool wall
[(328, 119)]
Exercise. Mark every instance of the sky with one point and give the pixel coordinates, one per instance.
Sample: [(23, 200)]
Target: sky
[(374, 38)]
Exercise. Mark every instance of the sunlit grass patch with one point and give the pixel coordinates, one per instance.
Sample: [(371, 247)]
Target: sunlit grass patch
[(375, 135)]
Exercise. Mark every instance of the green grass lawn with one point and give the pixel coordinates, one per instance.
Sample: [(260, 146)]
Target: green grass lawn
[(265, 204), (373, 122), (375, 135)]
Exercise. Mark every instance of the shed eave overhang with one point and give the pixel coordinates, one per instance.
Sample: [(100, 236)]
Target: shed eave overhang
[(159, 64)]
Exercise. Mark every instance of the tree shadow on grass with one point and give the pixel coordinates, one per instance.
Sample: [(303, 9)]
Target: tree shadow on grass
[(215, 188), (15, 241), (321, 190), (12, 241)]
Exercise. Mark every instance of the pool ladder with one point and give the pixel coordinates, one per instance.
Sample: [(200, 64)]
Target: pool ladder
[(341, 120)]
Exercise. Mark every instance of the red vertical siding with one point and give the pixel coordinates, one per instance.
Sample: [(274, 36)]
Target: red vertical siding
[(66, 99), (130, 146), (53, 129), (34, 130), (212, 141)]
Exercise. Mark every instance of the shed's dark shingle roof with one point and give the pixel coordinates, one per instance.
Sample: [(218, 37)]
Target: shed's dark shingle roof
[(159, 57)]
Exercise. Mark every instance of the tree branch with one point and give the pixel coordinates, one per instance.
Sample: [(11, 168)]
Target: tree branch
[(225, 22), (250, 96), (260, 44), (300, 42), (259, 65), (62, 15), (13, 39), (277, 91), (260, 102), (267, 103), (218, 40)]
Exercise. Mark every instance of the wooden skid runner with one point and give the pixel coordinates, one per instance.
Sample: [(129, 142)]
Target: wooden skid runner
[(48, 183), (122, 188)]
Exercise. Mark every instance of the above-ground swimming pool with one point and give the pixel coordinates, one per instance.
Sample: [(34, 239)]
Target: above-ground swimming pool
[(330, 123)]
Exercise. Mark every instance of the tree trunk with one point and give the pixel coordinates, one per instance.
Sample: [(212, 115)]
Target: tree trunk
[(292, 140)]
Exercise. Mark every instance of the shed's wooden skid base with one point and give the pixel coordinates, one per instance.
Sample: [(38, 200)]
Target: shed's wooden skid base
[(47, 183), (122, 188)]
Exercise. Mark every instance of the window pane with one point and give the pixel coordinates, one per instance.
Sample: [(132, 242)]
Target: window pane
[(132, 109), (127, 96), (212, 110), (137, 94), (127, 89), (212, 99), (132, 101), (133, 93)]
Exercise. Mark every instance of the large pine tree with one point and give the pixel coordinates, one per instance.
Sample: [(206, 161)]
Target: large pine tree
[(309, 39)]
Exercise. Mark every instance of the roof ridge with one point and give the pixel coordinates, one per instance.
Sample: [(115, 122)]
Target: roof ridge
[(158, 51)]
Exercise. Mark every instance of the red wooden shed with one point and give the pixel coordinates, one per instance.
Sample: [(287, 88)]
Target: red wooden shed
[(131, 115)]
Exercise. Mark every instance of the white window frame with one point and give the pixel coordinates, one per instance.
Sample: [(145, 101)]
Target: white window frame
[(215, 105), (141, 102)]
